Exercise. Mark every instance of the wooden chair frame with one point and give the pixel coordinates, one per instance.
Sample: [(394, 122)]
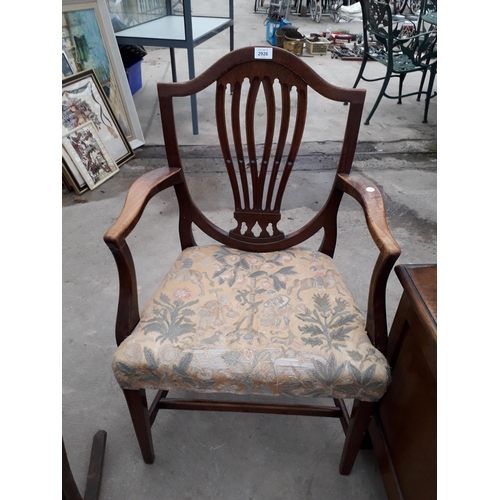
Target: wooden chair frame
[(253, 208), (69, 487)]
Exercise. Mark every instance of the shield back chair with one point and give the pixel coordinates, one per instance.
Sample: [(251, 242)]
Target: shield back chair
[(257, 313), (401, 53)]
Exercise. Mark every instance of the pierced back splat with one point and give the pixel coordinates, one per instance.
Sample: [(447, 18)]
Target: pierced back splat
[(257, 202)]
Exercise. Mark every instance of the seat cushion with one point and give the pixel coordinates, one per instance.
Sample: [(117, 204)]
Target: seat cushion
[(401, 63), (278, 323)]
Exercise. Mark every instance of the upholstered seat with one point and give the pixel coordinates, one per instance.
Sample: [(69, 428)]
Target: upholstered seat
[(224, 320)]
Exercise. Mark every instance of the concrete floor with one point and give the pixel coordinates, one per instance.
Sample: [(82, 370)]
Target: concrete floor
[(222, 455)]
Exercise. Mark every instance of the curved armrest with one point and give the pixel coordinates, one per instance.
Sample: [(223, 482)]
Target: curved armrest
[(417, 35), (141, 191), (371, 200)]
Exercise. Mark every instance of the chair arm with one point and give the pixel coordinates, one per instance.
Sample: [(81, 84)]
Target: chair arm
[(404, 42), (141, 191), (371, 200), (418, 34)]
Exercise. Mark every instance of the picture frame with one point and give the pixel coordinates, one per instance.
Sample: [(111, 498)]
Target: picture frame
[(67, 174), (74, 174), (88, 41), (67, 70), (83, 100), (89, 154), (66, 184)]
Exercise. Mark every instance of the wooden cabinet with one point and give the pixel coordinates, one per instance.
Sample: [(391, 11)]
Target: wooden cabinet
[(404, 428)]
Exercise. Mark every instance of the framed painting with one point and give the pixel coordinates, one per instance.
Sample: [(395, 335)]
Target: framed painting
[(89, 154), (73, 174), (67, 70), (71, 179), (66, 184), (88, 41), (83, 100)]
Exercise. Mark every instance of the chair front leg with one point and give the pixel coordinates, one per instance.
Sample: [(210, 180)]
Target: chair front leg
[(380, 95), (361, 70), (358, 425), (360, 73), (138, 407)]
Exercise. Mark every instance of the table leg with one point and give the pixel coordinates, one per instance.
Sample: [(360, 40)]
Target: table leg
[(172, 63), (194, 110), (231, 28)]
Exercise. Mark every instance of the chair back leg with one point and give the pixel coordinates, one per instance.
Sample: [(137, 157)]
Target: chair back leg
[(138, 407), (422, 81), (361, 416), (428, 96), (401, 81)]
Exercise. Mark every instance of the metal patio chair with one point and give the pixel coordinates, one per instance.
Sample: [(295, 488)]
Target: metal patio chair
[(400, 50)]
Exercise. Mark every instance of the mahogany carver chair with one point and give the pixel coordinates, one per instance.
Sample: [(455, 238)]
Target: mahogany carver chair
[(257, 313), (399, 51)]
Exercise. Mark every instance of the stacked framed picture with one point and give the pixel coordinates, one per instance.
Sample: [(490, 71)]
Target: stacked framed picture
[(89, 42), (93, 143)]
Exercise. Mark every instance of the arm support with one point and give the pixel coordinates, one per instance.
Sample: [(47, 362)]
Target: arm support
[(370, 198), (138, 197)]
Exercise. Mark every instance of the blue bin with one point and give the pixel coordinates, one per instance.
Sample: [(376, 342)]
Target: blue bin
[(134, 76), (272, 27)]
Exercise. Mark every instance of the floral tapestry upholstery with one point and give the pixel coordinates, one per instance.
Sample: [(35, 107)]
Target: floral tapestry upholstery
[(278, 323)]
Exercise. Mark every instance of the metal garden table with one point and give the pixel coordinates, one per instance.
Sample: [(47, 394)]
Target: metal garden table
[(179, 32)]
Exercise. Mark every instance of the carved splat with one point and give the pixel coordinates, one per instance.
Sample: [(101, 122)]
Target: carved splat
[(259, 180)]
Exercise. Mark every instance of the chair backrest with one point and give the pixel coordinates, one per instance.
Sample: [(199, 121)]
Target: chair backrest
[(259, 173), (428, 11), (377, 21), (429, 6)]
